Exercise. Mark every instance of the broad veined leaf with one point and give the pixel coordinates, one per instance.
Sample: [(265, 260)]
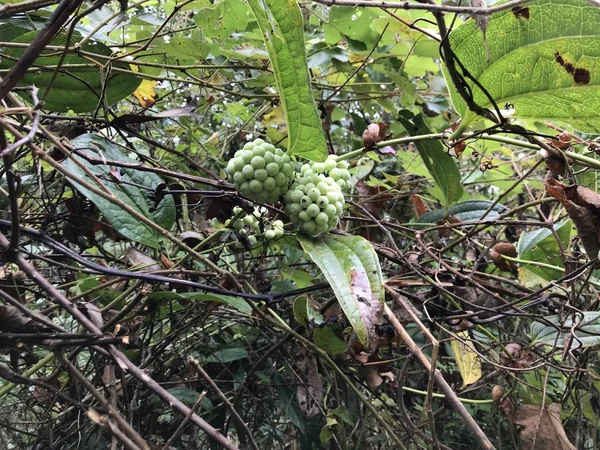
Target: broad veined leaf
[(125, 185), (544, 59), (470, 210), (187, 396), (281, 24), (541, 246), (580, 329), (469, 364), (240, 304), (439, 163), (80, 84), (351, 267)]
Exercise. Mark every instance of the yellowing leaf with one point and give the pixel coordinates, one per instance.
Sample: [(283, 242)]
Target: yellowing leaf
[(466, 358), (145, 93)]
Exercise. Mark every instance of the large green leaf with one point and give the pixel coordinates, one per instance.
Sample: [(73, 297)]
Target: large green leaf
[(541, 246), (75, 88), (580, 328), (544, 59), (282, 26), (351, 267), (439, 163), (128, 190)]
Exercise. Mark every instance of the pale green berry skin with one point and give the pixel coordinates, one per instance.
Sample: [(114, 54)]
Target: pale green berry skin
[(260, 174), (258, 162), (256, 186), (269, 184), (270, 235), (261, 162), (315, 201)]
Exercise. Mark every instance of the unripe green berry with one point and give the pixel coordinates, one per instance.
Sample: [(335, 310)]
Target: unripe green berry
[(245, 189), (296, 196), (247, 156), (256, 186), (303, 216), (281, 180), (274, 195), (310, 226), (238, 225), (329, 164), (318, 167), (270, 235), (238, 178), (258, 162), (248, 172), (335, 173), (330, 210), (322, 202), (269, 157), (321, 218), (260, 174), (313, 210), (272, 169), (295, 208), (314, 194), (269, 184), (305, 201)]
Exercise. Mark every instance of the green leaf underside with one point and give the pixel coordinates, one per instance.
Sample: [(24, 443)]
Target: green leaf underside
[(544, 59), (586, 332), (281, 24), (541, 246), (439, 163), (127, 191), (351, 267), (75, 88)]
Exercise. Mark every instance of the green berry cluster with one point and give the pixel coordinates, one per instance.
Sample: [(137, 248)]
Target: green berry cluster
[(261, 172), (254, 226), (315, 201), (331, 167)]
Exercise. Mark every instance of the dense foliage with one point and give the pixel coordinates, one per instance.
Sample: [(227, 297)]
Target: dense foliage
[(279, 224)]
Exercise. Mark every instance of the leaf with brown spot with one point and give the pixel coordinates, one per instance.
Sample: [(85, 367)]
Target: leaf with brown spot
[(583, 207), (542, 427)]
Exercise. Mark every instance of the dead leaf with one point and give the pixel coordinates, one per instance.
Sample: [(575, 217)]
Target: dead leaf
[(418, 205), (374, 133), (504, 249), (482, 23), (141, 261), (12, 320), (310, 394), (145, 93), (583, 207), (543, 428), (467, 360), (93, 313), (555, 164)]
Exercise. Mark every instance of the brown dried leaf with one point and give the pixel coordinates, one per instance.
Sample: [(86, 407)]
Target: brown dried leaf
[(140, 260), (418, 205), (310, 394), (373, 134), (14, 321), (543, 428), (504, 249), (583, 207)]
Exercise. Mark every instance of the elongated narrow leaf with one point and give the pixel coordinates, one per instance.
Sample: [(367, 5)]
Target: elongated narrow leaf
[(351, 267), (439, 163), (281, 24), (544, 59), (79, 86), (237, 303), (127, 185), (469, 364)]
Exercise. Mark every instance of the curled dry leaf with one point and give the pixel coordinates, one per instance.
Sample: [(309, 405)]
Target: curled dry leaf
[(542, 428), (373, 134), (504, 249), (583, 207), (554, 164), (497, 393)]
